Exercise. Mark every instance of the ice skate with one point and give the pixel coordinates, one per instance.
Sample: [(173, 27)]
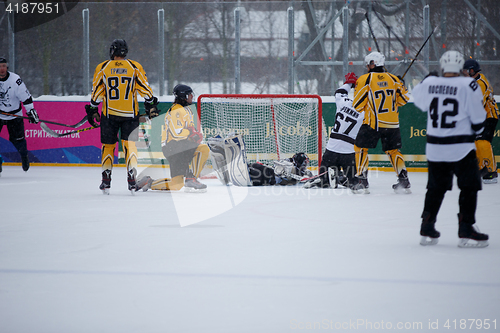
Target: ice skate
[(144, 183), (403, 185), (430, 235), (132, 185), (490, 178), (1, 162), (360, 187), (106, 182), (193, 185), (470, 237)]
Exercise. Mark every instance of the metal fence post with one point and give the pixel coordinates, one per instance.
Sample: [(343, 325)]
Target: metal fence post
[(161, 50), (86, 52)]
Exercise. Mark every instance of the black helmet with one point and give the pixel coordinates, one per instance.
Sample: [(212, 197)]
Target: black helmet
[(472, 64), (118, 48), (181, 93), (300, 159), (3, 60)]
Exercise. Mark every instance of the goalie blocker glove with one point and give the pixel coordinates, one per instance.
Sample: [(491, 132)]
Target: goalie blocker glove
[(93, 116), (33, 116), (151, 108)]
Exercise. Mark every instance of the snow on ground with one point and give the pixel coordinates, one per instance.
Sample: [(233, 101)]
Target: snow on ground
[(274, 259)]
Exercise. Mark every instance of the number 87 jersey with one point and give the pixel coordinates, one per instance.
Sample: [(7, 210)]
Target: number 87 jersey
[(455, 115), (116, 83)]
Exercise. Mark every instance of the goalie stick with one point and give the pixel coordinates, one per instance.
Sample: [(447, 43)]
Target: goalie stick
[(302, 179), (78, 124), (54, 134)]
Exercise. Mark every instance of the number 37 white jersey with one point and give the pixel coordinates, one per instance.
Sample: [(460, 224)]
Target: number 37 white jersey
[(455, 115)]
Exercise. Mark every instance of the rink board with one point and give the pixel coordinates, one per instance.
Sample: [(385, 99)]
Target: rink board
[(85, 148)]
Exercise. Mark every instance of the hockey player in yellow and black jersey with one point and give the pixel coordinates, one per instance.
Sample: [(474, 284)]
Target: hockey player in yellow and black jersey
[(181, 145), (484, 150), (379, 94), (116, 83)]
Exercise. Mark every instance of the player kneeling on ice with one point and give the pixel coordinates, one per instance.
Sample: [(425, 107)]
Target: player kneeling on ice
[(450, 147), (338, 165), (181, 145), (229, 161)]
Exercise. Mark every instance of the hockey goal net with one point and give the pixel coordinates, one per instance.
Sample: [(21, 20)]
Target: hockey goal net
[(273, 126)]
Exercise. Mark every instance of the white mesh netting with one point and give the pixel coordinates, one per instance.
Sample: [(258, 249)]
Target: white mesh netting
[(273, 126)]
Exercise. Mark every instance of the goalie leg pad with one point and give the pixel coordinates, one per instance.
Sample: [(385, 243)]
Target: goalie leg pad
[(218, 158), (237, 166)]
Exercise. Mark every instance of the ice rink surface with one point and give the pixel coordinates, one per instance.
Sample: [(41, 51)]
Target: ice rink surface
[(273, 259)]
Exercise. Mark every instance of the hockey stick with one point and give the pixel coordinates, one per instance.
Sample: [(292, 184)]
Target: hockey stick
[(370, 27), (54, 134), (421, 48), (78, 124)]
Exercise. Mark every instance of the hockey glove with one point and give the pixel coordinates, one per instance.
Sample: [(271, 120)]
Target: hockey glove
[(151, 108), (33, 116), (350, 78), (194, 135), (402, 80), (93, 116)]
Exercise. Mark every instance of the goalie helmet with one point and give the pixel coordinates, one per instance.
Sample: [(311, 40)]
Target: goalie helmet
[(451, 62), (181, 93), (300, 160), (118, 48), (377, 58)]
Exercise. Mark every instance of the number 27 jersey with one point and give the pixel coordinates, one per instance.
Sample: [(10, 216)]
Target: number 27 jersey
[(455, 115)]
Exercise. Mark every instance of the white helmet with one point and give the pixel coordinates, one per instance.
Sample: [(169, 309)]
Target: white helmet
[(377, 58), (451, 62)]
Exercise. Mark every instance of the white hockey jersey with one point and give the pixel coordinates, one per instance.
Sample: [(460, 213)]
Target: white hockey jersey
[(13, 91), (347, 123), (455, 115)]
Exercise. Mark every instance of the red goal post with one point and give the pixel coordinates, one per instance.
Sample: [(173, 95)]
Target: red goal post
[(274, 126)]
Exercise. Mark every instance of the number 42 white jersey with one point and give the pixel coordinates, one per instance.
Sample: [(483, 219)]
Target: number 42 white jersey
[(455, 115)]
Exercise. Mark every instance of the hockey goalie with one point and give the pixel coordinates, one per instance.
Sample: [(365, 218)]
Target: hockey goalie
[(228, 156)]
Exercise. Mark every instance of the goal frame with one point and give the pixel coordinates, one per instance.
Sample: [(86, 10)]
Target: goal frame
[(270, 96)]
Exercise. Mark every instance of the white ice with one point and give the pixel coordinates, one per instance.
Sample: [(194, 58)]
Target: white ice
[(274, 259)]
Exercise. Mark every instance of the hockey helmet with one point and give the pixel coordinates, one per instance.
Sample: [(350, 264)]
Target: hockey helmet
[(451, 62), (300, 159), (377, 58), (181, 92), (118, 48), (472, 64), (3, 60)]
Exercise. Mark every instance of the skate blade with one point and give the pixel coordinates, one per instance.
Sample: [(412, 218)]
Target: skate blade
[(132, 191), (464, 242), (105, 191), (360, 191), (194, 190), (490, 181), (399, 190), (428, 241)]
